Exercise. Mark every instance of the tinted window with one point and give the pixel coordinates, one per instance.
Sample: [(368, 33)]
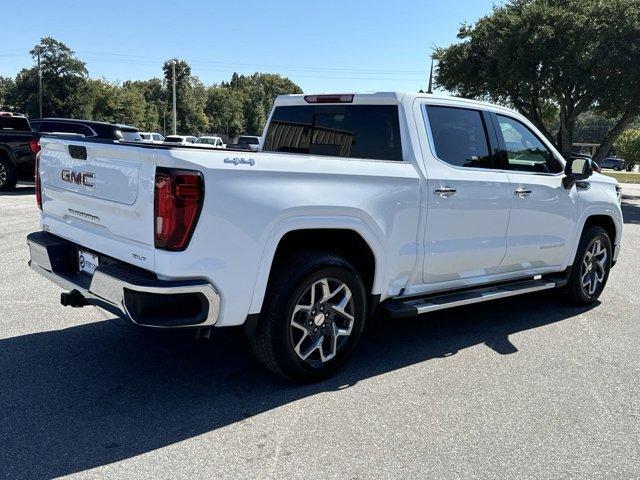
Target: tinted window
[(525, 151), (15, 123), (63, 127), (173, 139), (355, 131), (459, 137), (248, 141)]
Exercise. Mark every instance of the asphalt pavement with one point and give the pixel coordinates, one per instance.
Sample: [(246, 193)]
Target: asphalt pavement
[(522, 388)]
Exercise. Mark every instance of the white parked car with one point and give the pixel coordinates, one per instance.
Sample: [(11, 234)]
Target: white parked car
[(151, 137), (209, 141), (180, 139), (407, 202)]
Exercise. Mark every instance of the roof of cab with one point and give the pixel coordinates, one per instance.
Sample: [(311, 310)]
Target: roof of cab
[(382, 98)]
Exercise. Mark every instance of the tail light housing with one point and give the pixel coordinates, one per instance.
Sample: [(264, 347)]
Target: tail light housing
[(34, 146), (37, 181), (179, 195)]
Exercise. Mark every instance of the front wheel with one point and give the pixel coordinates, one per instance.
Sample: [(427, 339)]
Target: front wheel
[(591, 266), (617, 169), (313, 315)]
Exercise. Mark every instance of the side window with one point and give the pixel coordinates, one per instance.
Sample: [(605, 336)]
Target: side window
[(353, 131), (525, 151), (460, 137)]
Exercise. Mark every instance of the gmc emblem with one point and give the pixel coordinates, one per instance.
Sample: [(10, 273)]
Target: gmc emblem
[(79, 178)]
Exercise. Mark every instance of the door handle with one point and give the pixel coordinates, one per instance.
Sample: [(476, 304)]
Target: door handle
[(445, 192), (522, 192)]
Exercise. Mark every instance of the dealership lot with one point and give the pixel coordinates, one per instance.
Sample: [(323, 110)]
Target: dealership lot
[(527, 388)]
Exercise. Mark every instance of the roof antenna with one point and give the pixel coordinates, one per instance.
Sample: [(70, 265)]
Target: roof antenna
[(430, 88)]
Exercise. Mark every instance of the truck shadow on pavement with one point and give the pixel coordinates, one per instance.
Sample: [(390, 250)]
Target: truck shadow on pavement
[(19, 191), (102, 392)]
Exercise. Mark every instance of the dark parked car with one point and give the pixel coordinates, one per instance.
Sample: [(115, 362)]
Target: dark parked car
[(18, 148), (88, 128), (614, 163)]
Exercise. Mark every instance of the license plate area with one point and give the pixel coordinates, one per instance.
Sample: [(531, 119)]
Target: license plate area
[(87, 262)]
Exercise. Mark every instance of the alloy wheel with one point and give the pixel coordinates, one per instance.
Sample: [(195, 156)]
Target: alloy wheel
[(322, 321), (593, 269)]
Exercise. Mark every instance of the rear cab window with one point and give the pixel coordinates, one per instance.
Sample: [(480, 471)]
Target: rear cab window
[(350, 131), (18, 124)]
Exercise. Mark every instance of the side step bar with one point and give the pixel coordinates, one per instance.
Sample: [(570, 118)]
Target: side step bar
[(415, 306)]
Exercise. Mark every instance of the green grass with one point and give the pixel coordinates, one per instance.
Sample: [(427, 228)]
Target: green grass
[(623, 177)]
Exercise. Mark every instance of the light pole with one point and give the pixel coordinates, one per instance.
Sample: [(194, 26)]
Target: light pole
[(39, 82), (173, 67)]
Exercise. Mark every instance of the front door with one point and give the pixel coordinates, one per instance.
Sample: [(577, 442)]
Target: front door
[(468, 197), (541, 226)]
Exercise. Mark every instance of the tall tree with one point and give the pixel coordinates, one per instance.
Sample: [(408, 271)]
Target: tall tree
[(190, 97), (65, 89), (225, 111), (551, 58), (259, 91), (7, 85)]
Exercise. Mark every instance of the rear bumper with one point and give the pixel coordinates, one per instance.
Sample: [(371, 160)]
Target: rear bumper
[(124, 290)]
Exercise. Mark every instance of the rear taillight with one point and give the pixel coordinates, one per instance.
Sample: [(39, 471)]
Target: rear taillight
[(179, 195), (34, 146), (37, 180)]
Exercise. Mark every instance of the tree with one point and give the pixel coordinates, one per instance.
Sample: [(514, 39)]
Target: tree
[(259, 91), (224, 109), (7, 85), (551, 58), (628, 146), (65, 89), (190, 97)]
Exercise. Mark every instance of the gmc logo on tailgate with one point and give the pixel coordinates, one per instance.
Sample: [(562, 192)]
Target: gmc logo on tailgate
[(79, 178)]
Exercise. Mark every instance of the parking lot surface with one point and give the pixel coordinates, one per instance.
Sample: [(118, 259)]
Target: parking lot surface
[(523, 388)]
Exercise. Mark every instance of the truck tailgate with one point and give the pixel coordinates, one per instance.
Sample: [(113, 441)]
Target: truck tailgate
[(100, 195)]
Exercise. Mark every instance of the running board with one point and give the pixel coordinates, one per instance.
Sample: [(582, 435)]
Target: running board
[(415, 306)]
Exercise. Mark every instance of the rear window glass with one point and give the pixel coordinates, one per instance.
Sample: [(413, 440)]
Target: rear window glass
[(64, 127), (459, 137), (173, 139), (248, 141), (15, 123), (354, 131)]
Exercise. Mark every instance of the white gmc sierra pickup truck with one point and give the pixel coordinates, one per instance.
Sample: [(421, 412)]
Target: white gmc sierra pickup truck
[(406, 202)]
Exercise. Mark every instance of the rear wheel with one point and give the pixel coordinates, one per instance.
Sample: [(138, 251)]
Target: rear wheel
[(313, 316), (616, 168), (591, 266), (8, 175)]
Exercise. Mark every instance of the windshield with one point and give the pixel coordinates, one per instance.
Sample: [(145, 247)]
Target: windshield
[(248, 141), (173, 139)]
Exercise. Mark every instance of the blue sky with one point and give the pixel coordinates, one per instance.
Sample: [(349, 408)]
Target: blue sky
[(325, 45)]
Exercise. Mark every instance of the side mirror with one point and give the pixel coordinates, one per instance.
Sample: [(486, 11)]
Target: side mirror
[(577, 169)]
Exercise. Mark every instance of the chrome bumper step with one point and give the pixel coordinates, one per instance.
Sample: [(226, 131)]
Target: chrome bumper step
[(415, 306)]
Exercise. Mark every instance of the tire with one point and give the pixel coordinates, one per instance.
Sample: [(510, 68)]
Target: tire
[(616, 169), (590, 270), (8, 175), (292, 322)]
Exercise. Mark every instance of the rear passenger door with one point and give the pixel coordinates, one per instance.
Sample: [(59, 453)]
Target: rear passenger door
[(543, 212), (468, 196)]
